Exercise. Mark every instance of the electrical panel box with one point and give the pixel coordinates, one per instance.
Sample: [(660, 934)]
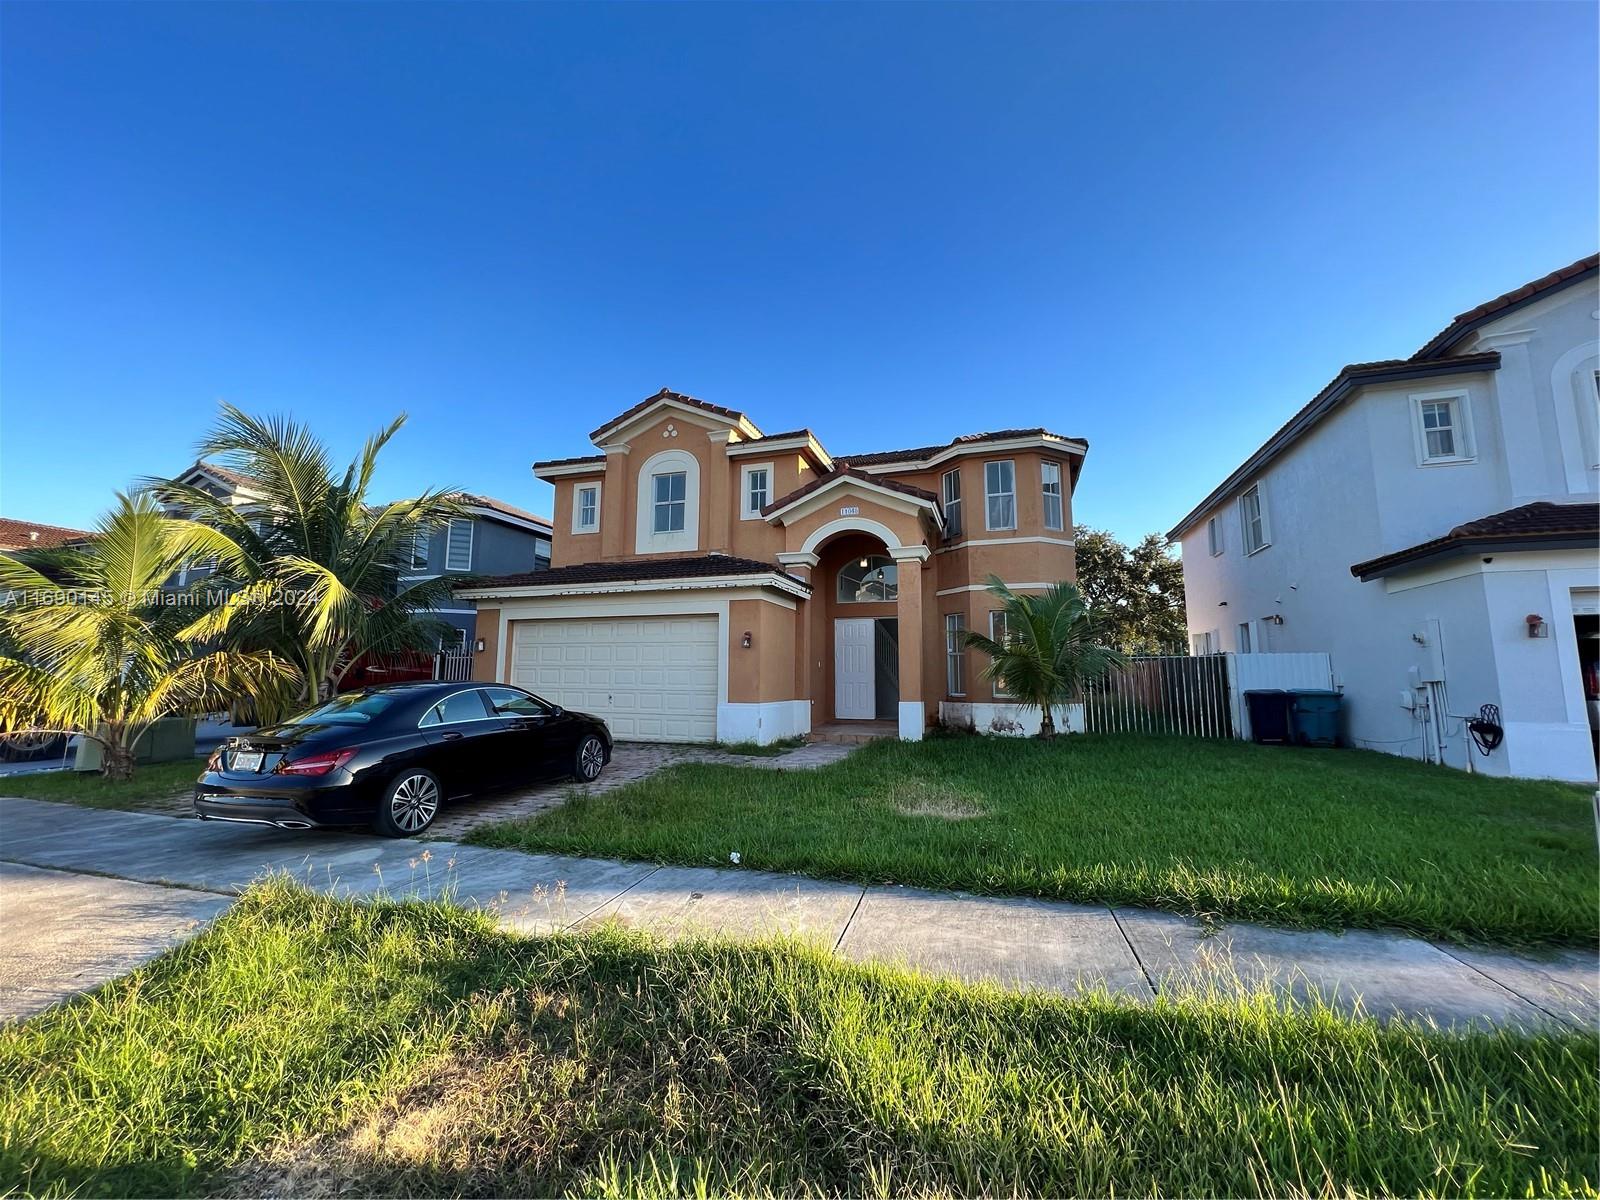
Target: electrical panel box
[(1430, 653)]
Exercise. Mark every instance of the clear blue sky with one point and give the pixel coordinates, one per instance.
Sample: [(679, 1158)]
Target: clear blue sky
[(1160, 228)]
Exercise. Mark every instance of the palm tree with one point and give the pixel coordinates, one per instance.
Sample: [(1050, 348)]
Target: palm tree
[(318, 577), (1051, 646), (95, 645)]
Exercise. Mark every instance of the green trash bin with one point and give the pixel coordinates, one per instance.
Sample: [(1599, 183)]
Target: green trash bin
[(1314, 717), (168, 740)]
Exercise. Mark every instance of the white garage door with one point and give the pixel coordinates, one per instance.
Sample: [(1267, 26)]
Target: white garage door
[(653, 679)]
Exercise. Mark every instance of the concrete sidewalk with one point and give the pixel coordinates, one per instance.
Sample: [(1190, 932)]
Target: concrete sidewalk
[(66, 933), (1018, 942)]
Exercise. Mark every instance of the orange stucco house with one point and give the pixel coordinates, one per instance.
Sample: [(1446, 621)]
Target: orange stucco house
[(709, 581)]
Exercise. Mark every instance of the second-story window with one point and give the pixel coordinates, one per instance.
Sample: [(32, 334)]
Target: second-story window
[(950, 493), (1440, 422), (419, 550), (458, 545), (757, 491), (1253, 519), (1000, 492), (586, 517), (1050, 475), (1214, 536), (670, 492)]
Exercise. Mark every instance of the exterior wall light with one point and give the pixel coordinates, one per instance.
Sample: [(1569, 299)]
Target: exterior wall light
[(1537, 626), (478, 645), (745, 641)]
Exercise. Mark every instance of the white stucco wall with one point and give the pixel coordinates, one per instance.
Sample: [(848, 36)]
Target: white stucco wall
[(1352, 490)]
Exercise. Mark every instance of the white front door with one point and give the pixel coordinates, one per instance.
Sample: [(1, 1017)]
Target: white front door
[(854, 689)]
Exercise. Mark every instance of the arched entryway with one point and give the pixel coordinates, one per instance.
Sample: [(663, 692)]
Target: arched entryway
[(864, 630)]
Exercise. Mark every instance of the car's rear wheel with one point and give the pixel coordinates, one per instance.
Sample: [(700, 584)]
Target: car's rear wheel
[(410, 804), (590, 758)]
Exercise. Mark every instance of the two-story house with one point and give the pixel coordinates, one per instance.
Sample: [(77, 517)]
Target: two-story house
[(491, 538), (710, 581), (1431, 523)]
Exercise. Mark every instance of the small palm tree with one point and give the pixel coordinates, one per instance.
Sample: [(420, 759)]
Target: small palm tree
[(95, 644), (318, 573), (1051, 647)]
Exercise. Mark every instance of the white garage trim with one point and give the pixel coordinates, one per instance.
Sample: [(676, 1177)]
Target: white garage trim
[(735, 722)]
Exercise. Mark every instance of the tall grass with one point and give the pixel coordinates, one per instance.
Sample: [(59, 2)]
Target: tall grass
[(312, 1046), (1330, 838)]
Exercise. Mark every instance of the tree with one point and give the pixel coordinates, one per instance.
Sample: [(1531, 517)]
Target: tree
[(318, 573), (1051, 646), (94, 645), (1136, 594)]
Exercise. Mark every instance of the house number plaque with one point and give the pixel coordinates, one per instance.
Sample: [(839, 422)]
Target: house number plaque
[(849, 510)]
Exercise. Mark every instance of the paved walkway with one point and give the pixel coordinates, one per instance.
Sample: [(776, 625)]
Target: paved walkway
[(1017, 942)]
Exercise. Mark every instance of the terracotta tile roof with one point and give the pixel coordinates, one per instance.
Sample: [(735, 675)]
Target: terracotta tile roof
[(921, 452), (501, 506), (822, 481), (668, 394), (1342, 385), (31, 535), (633, 571), (1542, 524), (1466, 322)]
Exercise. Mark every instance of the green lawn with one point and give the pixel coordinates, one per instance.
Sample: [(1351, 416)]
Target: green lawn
[(311, 1046), (153, 782), (1331, 838)]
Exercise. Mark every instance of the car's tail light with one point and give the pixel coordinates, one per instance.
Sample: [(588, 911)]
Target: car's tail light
[(316, 764)]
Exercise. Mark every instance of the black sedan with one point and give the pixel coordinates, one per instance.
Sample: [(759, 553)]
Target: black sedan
[(391, 756)]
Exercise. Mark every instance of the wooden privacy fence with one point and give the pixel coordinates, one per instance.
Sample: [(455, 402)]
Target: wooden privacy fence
[(1163, 693)]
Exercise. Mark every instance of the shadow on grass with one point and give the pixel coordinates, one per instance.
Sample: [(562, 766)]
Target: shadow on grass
[(312, 1046)]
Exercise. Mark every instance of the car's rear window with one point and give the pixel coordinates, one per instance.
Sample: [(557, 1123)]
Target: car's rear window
[(354, 709)]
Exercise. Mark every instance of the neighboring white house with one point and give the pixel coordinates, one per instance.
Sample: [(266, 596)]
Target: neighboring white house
[(1431, 522)]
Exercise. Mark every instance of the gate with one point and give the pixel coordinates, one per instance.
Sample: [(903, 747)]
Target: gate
[(1163, 693), (452, 668)]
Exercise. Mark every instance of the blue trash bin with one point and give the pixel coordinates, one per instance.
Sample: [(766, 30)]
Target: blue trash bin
[(1314, 716)]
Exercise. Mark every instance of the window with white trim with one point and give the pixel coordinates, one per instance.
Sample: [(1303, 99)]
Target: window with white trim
[(999, 631), (1214, 536), (419, 549), (955, 664), (950, 494), (671, 490), (667, 499), (586, 508), (1244, 637), (458, 545), (1205, 643), (1000, 494), (1253, 520), (1441, 425), (1050, 480), (755, 490)]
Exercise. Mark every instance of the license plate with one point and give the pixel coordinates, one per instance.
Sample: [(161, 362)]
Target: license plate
[(246, 760)]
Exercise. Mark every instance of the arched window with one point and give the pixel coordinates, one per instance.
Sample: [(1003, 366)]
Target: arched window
[(868, 579)]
